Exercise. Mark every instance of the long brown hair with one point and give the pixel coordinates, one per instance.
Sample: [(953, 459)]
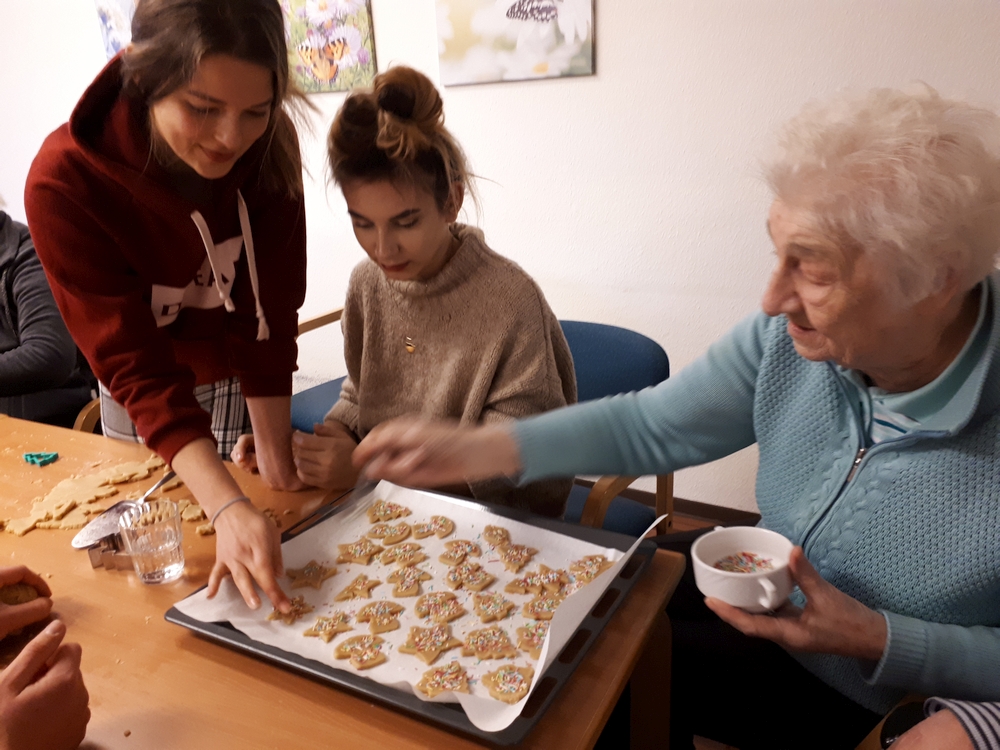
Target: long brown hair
[(169, 40), (396, 132)]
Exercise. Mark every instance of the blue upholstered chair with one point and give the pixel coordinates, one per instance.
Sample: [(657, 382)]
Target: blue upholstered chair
[(608, 360), (611, 360)]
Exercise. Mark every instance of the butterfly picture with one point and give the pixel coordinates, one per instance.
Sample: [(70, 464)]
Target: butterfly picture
[(541, 11)]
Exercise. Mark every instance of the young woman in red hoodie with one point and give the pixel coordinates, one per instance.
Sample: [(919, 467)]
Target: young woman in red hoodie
[(169, 218)]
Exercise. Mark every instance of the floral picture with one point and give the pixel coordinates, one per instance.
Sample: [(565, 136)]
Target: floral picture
[(513, 40), (330, 45), (116, 24)]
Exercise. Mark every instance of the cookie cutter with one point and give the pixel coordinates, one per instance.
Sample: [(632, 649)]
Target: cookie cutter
[(100, 537)]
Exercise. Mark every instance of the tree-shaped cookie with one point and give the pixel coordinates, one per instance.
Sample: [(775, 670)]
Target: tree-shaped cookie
[(408, 553), (390, 533), (509, 683), (450, 677), (364, 651), (383, 510), (360, 588), (491, 606), (361, 551), (534, 583), (313, 574), (407, 580), (457, 550), (437, 525), (515, 556), (489, 643), (381, 616), (439, 606), (588, 568), (328, 627), (299, 610), (429, 643), (542, 607), (531, 638), (468, 575)]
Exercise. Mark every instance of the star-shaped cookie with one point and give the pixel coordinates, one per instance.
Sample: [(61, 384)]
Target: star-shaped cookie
[(429, 643), (299, 610), (360, 588), (328, 627), (313, 574)]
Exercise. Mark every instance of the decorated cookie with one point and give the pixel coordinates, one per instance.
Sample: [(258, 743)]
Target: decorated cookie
[(313, 574), (542, 607), (534, 583), (360, 588), (509, 683), (382, 616), (328, 627), (451, 677), (531, 638), (408, 553), (364, 651), (496, 536), (439, 606), (516, 556), (468, 575), (383, 510), (588, 568), (437, 525), (491, 607), (390, 533), (429, 643), (361, 551), (299, 610), (407, 580), (489, 643), (457, 550)]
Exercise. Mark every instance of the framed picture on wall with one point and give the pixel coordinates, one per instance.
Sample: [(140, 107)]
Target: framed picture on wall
[(330, 44), (482, 41), (116, 24)]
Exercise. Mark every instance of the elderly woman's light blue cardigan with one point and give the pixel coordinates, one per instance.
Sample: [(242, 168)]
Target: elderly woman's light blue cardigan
[(914, 533)]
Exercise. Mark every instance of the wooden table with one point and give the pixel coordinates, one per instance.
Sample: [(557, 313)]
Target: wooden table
[(166, 688)]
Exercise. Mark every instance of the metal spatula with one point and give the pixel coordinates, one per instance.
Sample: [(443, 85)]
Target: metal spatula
[(106, 524)]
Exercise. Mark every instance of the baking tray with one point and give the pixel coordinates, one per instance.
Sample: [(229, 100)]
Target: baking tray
[(451, 715)]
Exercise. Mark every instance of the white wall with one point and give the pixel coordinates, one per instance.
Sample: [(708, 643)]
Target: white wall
[(631, 196)]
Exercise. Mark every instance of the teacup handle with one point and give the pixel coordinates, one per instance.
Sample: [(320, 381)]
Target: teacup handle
[(770, 598)]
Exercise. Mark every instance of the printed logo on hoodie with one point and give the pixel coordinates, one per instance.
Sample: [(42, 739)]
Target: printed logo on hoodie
[(203, 292)]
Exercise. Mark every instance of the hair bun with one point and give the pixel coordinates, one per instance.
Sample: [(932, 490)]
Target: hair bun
[(398, 100)]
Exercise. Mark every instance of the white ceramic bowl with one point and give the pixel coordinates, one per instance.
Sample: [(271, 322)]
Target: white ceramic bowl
[(761, 591)]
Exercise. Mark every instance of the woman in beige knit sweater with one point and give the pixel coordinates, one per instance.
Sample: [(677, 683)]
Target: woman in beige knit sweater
[(435, 323)]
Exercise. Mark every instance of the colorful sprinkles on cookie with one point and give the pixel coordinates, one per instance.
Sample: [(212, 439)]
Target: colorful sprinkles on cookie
[(516, 556), (744, 562), (364, 651), (437, 525), (382, 616), (531, 638), (327, 628), (313, 574), (390, 533), (469, 575), (299, 610), (489, 643), (588, 568), (407, 580), (406, 554), (449, 678), (534, 583), (382, 510), (509, 683), (496, 536), (439, 606), (491, 607), (429, 643), (360, 588), (542, 607), (457, 550), (361, 551)]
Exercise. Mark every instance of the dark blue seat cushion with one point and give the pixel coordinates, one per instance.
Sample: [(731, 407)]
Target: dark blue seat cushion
[(311, 405), (610, 360), (624, 515)]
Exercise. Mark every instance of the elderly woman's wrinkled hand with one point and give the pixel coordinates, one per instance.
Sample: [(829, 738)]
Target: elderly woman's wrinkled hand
[(830, 623)]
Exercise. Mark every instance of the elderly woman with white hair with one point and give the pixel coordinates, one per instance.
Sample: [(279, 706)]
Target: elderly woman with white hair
[(871, 386)]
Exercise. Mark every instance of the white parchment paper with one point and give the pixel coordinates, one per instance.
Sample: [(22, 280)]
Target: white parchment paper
[(403, 671)]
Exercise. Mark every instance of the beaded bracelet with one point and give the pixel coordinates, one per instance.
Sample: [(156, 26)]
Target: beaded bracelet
[(240, 499)]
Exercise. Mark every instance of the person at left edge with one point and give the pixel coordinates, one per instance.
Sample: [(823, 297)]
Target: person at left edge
[(169, 219)]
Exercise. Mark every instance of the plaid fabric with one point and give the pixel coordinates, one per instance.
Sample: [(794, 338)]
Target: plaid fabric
[(223, 400)]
